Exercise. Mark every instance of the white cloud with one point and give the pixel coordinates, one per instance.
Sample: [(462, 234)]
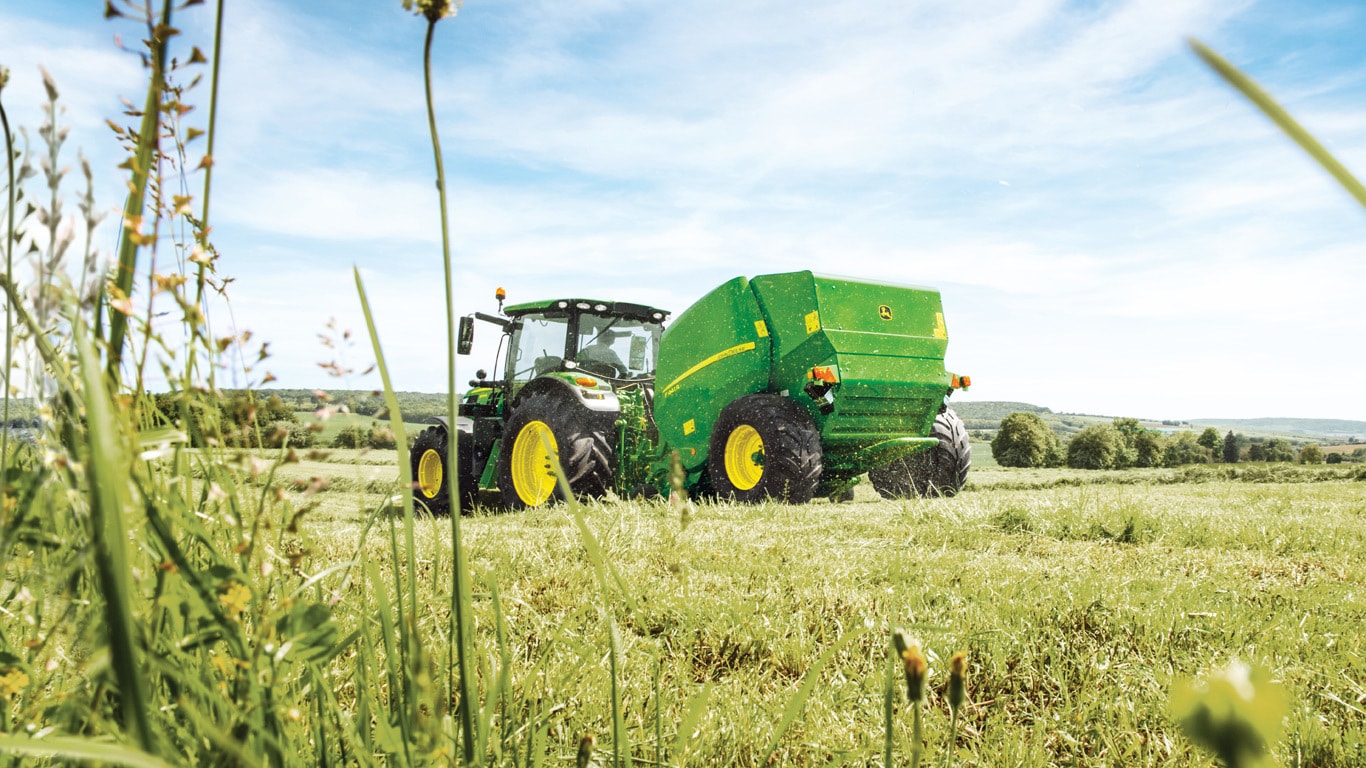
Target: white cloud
[(1153, 224)]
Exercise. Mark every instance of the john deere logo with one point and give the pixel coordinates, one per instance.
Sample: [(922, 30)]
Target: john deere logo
[(884, 312)]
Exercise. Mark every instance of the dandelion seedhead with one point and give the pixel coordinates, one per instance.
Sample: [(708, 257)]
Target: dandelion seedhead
[(434, 10), (1235, 712)]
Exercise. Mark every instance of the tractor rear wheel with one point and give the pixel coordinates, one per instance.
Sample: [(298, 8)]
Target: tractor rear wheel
[(431, 476), (938, 471), (762, 447), (580, 437)]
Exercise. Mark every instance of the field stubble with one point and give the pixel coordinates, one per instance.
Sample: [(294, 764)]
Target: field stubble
[(1079, 606)]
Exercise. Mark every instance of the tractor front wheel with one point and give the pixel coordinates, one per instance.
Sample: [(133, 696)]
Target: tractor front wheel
[(765, 446), (938, 471), (544, 426), (431, 476)]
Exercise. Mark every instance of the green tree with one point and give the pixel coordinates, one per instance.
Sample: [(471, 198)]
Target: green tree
[(1256, 451), (1233, 447), (1148, 449), (1311, 454), (1100, 446), (1334, 458), (354, 436), (1024, 440), (1211, 441), (1279, 450), (1184, 448)]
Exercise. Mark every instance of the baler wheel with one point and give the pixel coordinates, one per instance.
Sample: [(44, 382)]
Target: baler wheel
[(762, 447), (578, 435), (939, 471), (431, 480)]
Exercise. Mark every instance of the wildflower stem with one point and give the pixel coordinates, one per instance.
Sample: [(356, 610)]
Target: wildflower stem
[(460, 588), (199, 328), (953, 737), (148, 143), (915, 734)]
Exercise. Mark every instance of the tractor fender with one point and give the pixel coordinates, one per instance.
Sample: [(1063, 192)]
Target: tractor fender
[(462, 424), (600, 400)]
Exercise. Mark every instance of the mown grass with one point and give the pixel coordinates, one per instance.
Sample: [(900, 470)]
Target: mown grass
[(1079, 607)]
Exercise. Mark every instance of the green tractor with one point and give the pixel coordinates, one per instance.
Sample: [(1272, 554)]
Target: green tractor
[(785, 386)]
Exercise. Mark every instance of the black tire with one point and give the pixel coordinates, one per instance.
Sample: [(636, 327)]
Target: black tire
[(765, 447), (581, 438), (939, 471), (431, 472)]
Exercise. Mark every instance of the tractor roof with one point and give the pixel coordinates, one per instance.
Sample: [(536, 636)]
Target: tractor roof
[(593, 306)]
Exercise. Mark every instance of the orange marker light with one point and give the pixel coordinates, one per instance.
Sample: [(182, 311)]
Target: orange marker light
[(824, 373), (956, 382), (584, 381), (500, 294), (967, 381)]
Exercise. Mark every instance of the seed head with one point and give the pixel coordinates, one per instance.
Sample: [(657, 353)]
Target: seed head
[(434, 10), (958, 680), (585, 756), (914, 663)]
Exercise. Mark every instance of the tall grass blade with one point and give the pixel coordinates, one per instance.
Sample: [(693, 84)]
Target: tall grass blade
[(85, 750), (108, 495), (889, 699), (621, 746), (10, 202), (405, 470), (1254, 93), (809, 680), (697, 707)]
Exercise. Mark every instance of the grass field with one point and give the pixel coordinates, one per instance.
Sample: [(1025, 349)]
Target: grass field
[(1079, 607)]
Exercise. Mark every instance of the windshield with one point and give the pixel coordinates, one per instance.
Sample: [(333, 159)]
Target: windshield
[(538, 346), (617, 347)]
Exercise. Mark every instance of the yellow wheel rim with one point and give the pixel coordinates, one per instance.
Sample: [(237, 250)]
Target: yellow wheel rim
[(429, 470), (744, 457), (532, 477)]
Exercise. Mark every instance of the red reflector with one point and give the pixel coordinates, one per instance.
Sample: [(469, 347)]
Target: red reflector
[(584, 381)]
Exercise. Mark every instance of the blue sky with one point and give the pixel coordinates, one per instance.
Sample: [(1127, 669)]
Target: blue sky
[(1114, 230)]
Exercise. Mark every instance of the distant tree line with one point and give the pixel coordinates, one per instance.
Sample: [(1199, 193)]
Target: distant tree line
[(1025, 440), (254, 419), (416, 407)]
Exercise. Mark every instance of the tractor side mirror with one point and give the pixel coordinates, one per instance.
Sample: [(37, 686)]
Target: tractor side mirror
[(466, 335), (637, 361)]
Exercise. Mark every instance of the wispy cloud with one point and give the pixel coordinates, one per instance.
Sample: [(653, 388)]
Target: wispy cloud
[(1103, 215)]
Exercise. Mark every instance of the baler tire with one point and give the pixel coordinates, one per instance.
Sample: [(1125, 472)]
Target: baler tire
[(941, 470), (782, 433), (581, 438), (433, 489)]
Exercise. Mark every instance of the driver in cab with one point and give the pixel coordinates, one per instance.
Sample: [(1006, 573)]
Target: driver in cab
[(599, 355)]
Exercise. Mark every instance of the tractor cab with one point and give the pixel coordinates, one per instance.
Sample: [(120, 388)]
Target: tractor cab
[(617, 342)]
